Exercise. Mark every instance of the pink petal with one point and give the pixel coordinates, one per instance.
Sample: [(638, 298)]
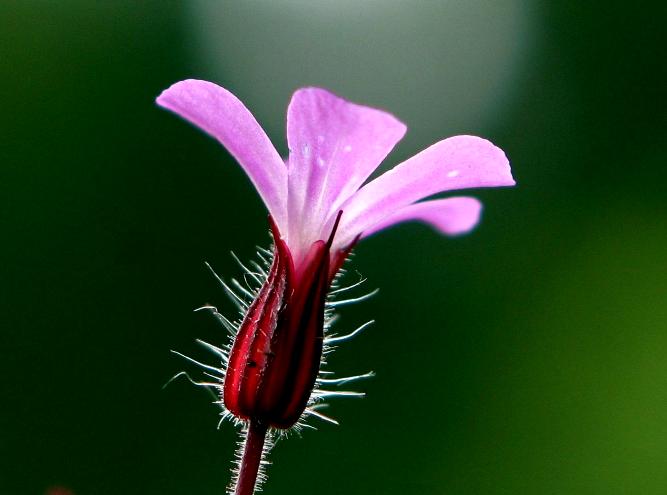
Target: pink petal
[(459, 162), (220, 114), (451, 216), (334, 146)]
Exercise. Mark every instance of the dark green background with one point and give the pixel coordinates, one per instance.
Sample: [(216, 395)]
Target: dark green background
[(529, 357)]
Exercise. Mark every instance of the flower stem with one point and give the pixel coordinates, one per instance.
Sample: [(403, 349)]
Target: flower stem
[(252, 456)]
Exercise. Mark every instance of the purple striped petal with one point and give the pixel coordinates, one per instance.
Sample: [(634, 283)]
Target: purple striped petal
[(220, 114), (334, 146), (459, 162), (451, 216)]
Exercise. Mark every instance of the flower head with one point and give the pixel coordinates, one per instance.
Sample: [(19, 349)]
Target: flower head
[(320, 205), (334, 146)]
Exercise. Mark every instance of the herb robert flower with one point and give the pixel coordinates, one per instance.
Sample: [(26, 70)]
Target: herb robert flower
[(319, 206)]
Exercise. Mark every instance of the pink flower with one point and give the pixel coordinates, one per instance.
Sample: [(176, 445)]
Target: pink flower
[(334, 147), (321, 204)]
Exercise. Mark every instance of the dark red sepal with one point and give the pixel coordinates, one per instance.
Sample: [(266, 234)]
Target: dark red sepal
[(276, 355)]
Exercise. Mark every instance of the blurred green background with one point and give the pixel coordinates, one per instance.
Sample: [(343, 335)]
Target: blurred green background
[(528, 357)]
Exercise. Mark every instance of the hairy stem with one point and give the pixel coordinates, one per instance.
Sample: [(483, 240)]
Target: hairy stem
[(252, 456)]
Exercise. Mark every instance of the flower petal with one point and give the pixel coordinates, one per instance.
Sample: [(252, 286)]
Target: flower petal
[(451, 216), (334, 146), (459, 162), (220, 114)]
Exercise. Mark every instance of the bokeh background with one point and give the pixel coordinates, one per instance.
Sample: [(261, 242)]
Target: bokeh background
[(527, 357)]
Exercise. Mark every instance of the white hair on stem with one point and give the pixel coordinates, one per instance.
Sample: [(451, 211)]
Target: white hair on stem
[(254, 275)]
